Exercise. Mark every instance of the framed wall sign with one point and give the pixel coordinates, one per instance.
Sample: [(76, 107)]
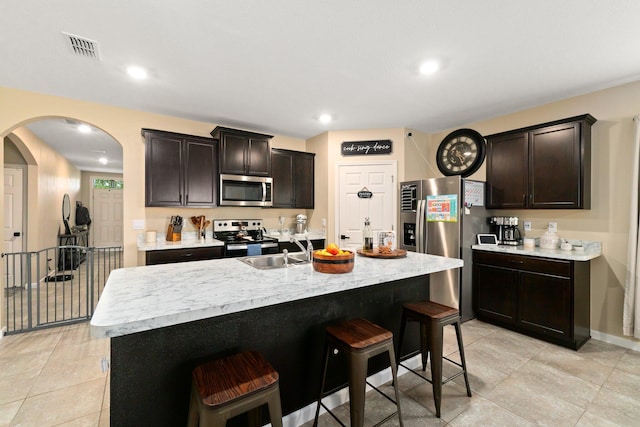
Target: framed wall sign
[(366, 148), (365, 193)]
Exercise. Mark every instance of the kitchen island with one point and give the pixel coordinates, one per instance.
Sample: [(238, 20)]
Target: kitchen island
[(164, 319)]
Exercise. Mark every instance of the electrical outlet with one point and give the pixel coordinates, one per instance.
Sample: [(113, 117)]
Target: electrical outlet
[(138, 224), (527, 226), (553, 226)]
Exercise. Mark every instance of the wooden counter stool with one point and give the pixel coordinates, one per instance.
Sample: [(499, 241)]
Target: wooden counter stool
[(433, 317), (360, 340), (230, 386)]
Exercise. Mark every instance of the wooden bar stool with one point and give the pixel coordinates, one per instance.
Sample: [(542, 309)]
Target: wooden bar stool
[(224, 388), (360, 340), (433, 317)]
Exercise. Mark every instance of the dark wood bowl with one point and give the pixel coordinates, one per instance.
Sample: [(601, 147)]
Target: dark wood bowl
[(333, 264)]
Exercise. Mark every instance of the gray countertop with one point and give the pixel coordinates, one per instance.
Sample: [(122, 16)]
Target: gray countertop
[(142, 298)]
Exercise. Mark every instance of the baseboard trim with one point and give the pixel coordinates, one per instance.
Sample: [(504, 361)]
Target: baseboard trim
[(630, 343)]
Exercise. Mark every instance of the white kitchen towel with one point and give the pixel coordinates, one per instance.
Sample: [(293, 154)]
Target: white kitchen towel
[(254, 249)]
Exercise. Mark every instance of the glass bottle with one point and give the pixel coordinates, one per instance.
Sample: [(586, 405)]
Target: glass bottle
[(367, 236)]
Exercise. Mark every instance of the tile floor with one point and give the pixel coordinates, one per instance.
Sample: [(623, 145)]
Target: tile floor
[(54, 378)]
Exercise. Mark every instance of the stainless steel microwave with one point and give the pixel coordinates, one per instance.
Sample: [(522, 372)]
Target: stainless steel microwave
[(242, 190)]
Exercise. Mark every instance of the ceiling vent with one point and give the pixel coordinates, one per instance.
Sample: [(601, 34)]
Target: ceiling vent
[(82, 46)]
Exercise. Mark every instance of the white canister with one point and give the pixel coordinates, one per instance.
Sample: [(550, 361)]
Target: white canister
[(529, 243), (150, 236), (550, 240)]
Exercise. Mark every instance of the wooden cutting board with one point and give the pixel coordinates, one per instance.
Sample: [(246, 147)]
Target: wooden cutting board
[(396, 253)]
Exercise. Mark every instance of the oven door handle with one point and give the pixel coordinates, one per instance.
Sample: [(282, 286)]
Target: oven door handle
[(237, 247)]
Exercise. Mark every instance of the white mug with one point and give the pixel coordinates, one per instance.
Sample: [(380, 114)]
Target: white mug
[(150, 236)]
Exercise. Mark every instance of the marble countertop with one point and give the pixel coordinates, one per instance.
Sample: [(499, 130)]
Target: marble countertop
[(161, 245), (591, 251), (142, 298), (189, 241)]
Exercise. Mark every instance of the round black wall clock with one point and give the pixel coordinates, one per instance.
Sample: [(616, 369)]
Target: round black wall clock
[(461, 153)]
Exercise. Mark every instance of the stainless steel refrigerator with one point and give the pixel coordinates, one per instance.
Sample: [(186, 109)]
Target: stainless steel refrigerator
[(442, 216)]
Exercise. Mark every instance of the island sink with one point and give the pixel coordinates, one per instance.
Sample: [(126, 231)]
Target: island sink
[(268, 262)]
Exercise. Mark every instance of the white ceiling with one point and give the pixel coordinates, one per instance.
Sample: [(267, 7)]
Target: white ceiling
[(275, 66)]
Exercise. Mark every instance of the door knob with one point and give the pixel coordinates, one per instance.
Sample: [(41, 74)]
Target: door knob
[(343, 237)]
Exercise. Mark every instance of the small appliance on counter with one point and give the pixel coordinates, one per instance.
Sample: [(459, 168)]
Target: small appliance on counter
[(506, 229), (174, 231), (301, 223)]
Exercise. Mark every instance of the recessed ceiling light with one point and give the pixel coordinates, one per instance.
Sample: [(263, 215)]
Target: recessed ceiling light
[(84, 128), (325, 118), (137, 73), (429, 67), (103, 160)]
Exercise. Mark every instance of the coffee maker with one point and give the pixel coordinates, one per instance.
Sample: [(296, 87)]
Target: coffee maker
[(506, 230)]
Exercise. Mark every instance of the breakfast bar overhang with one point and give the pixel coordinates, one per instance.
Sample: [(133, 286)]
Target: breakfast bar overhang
[(165, 319)]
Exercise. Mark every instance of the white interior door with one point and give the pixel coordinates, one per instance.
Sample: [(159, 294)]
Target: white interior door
[(106, 221), (13, 233), (381, 209)]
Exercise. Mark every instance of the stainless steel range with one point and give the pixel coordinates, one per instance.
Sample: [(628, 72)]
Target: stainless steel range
[(243, 237)]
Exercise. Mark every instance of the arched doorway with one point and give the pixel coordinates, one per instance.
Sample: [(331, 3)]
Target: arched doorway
[(65, 154), (60, 161)]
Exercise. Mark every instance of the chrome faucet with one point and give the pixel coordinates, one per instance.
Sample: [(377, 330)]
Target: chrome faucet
[(308, 252)]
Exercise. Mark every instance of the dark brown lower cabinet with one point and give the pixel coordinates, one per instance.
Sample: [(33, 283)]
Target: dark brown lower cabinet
[(541, 297), (169, 256)]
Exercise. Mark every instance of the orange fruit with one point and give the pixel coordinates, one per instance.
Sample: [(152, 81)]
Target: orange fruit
[(333, 249)]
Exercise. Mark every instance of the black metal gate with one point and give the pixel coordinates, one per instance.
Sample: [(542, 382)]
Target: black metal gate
[(55, 286)]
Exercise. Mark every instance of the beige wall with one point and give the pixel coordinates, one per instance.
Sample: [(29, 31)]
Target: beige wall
[(419, 159), (54, 176)]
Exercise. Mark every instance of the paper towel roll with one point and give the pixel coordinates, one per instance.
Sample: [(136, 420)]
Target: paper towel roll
[(150, 236)]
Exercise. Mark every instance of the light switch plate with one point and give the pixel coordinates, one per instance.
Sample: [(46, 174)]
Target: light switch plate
[(138, 224), (553, 226), (527, 226)]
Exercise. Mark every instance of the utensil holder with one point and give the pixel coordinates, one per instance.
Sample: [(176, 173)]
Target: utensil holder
[(173, 236)]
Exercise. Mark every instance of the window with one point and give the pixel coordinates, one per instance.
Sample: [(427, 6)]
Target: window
[(106, 184)]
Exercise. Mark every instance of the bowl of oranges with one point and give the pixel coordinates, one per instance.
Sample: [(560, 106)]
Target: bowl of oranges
[(333, 260)]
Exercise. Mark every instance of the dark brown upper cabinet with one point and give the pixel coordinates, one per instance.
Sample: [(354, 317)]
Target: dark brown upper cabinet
[(293, 182), (180, 170), (242, 152), (546, 166)]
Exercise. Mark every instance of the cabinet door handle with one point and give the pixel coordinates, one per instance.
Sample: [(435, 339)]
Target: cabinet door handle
[(187, 255), (513, 261)]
